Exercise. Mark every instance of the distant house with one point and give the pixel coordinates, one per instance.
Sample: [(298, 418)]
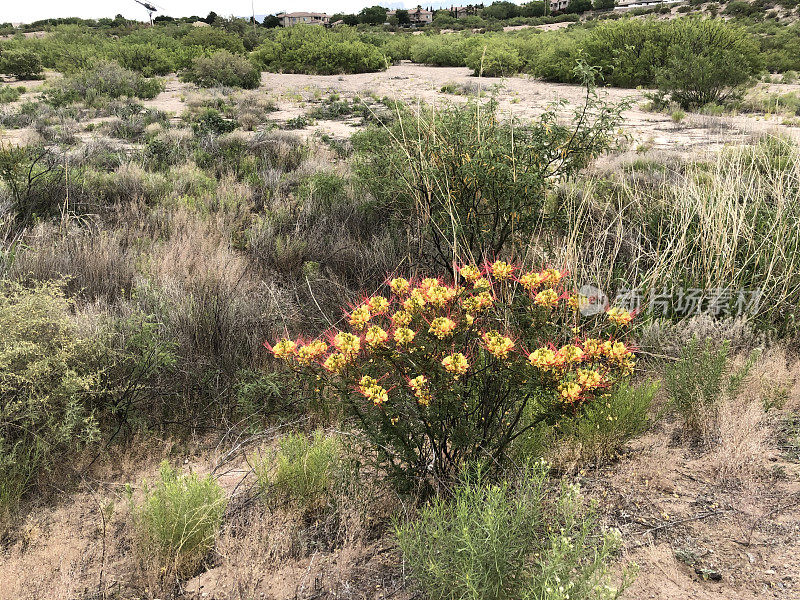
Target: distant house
[(303, 18), (558, 5), (624, 4), (200, 24), (415, 15), (459, 12)]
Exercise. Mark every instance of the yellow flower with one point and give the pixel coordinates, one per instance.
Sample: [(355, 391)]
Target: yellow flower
[(482, 284), (616, 351), (542, 358), (400, 286), (547, 298), (420, 386), (415, 302), (589, 378), (498, 344), (469, 319), (502, 270), (372, 391), (378, 305), (592, 348), (456, 364), (401, 318), (284, 349), (376, 335), (571, 354), (312, 351), (403, 335), (531, 280), (552, 276), (360, 317), (478, 303), (620, 316), (347, 343), (442, 327), (570, 392), (577, 301), (439, 295), (470, 272), (335, 363)]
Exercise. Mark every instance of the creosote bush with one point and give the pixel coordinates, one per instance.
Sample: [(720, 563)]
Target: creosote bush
[(178, 520), (436, 375), (102, 81), (498, 541)]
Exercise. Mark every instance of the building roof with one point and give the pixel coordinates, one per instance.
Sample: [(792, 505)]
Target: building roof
[(302, 14)]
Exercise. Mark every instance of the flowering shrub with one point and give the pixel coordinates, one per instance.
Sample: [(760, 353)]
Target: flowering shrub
[(440, 374)]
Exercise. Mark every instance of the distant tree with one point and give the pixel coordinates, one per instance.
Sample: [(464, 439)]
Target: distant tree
[(402, 17), (212, 16), (373, 15), (501, 11), (532, 9), (164, 19), (578, 6), (271, 21), (604, 4)]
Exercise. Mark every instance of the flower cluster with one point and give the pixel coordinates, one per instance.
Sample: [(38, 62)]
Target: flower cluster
[(427, 336)]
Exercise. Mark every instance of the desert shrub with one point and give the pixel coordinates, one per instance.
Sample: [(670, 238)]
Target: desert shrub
[(303, 471), (445, 381), (699, 381), (212, 39), (104, 80), (441, 50), (145, 58), (601, 430), (22, 64), (498, 542), (178, 520), (50, 382), (471, 182), (211, 121), (497, 58), (33, 177), (223, 68), (708, 61), (10, 94), (316, 50)]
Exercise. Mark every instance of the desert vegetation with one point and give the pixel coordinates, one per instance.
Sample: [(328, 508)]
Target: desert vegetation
[(460, 352)]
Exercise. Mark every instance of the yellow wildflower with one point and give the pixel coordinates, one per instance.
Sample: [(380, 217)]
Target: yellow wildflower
[(360, 317), (531, 280), (335, 363), (552, 276), (620, 316), (401, 318), (347, 343), (403, 335), (571, 354), (547, 298), (570, 392), (311, 351), (442, 327), (501, 270), (589, 378), (284, 349), (498, 344), (415, 302), (378, 305), (470, 272), (456, 364), (400, 286), (372, 391), (376, 335), (542, 358)]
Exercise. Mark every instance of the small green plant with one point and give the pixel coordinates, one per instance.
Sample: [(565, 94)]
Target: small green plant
[(492, 541), (700, 379), (677, 116), (304, 470), (179, 519)]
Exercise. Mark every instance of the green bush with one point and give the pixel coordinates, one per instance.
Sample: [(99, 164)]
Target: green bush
[(22, 64), (304, 471), (474, 181), (104, 80), (316, 50), (51, 380), (498, 542), (179, 519), (212, 39), (698, 382), (10, 94), (497, 58), (223, 68), (708, 60)]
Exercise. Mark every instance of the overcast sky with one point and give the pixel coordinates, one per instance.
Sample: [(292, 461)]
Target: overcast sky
[(33, 10)]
